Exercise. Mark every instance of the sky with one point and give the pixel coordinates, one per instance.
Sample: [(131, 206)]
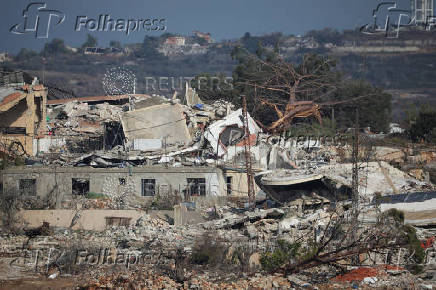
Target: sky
[(224, 19)]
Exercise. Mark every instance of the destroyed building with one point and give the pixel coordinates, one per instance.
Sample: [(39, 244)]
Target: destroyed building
[(149, 146), (22, 113), (146, 145), (131, 170)]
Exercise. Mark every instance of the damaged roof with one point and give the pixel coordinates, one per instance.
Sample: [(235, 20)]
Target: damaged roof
[(6, 94), (9, 96), (94, 99)]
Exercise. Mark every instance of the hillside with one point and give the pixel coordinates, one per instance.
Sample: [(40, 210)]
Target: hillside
[(405, 66)]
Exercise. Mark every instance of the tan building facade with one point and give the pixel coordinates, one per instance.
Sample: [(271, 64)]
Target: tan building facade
[(22, 117)]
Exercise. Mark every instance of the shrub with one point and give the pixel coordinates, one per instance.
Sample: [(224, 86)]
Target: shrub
[(414, 245), (424, 125), (208, 249), (165, 203), (411, 241), (93, 195), (285, 251), (396, 214)]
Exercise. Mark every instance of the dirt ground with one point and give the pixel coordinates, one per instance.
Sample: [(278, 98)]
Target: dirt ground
[(41, 283)]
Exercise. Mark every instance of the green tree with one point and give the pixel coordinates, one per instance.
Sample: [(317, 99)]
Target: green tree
[(424, 125), (327, 35), (149, 48), (373, 103), (55, 47), (116, 44), (24, 54), (91, 41), (280, 93)]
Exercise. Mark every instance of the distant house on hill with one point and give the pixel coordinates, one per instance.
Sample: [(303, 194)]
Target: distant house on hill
[(175, 40), (102, 51)]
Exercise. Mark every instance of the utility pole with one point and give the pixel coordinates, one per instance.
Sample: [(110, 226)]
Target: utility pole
[(355, 155), (355, 185), (248, 161), (165, 151)]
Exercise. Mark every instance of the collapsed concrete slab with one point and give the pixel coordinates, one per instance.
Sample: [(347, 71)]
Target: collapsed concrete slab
[(295, 185), (375, 177), (234, 220), (164, 121), (229, 132)]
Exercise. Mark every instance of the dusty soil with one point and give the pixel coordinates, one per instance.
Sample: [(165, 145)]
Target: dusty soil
[(41, 283)]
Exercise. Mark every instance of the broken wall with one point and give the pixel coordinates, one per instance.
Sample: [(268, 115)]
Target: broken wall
[(157, 122), (28, 111), (223, 142), (237, 185), (93, 220)]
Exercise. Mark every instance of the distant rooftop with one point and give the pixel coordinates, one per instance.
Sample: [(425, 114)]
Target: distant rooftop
[(11, 78), (6, 91)]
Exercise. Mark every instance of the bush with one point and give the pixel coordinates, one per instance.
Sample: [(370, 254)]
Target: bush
[(285, 251), (208, 249), (411, 241), (165, 203), (424, 127), (396, 214), (93, 195), (414, 245)]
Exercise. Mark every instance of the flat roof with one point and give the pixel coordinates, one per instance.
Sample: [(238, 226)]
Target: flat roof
[(88, 169), (408, 197), (93, 99)]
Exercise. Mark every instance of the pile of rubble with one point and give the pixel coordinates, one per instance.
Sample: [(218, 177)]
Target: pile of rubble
[(165, 250), (109, 135)]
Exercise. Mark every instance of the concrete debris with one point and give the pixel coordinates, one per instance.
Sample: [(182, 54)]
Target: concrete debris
[(165, 122), (373, 180), (162, 251), (296, 282), (229, 132), (234, 220)]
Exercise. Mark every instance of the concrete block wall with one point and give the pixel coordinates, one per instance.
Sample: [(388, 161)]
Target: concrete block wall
[(106, 180)]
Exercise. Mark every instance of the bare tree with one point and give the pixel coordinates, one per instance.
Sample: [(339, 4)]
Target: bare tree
[(342, 239), (10, 204)]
